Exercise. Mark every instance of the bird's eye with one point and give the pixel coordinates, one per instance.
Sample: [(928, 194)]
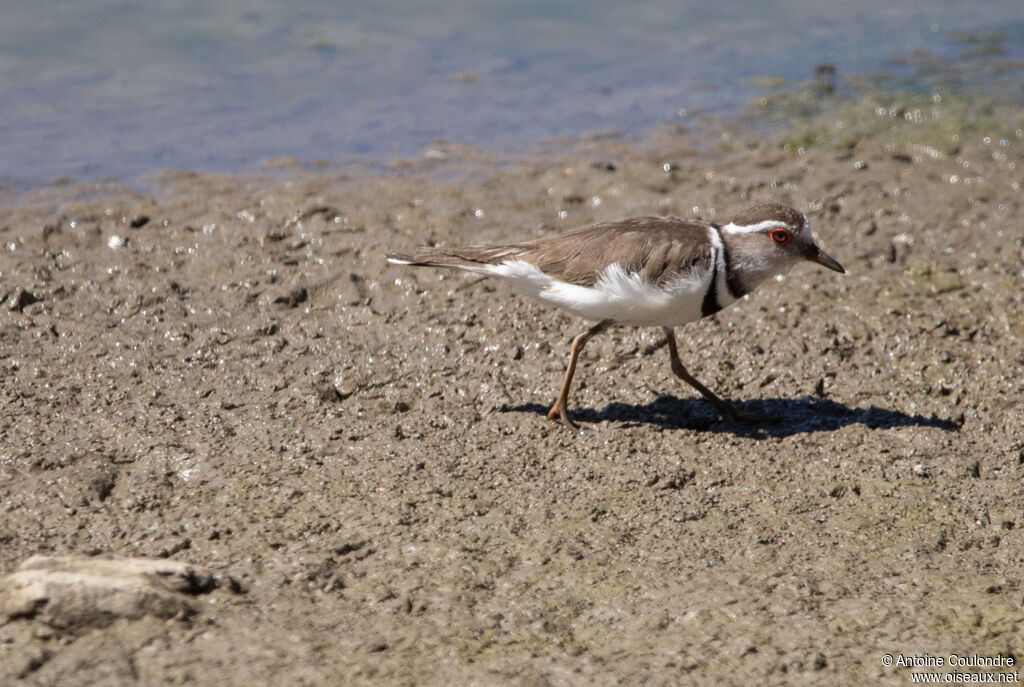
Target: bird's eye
[(779, 236)]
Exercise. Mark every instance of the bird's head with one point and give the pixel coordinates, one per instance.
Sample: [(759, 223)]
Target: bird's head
[(770, 238)]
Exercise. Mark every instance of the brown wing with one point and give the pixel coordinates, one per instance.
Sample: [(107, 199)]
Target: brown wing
[(659, 248)]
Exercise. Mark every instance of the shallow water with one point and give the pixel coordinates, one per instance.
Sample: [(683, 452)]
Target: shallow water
[(103, 88)]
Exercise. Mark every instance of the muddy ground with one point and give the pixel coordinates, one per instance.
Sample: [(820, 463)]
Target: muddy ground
[(226, 371)]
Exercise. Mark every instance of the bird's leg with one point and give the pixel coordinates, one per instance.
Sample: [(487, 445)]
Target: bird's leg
[(724, 407), (558, 410)]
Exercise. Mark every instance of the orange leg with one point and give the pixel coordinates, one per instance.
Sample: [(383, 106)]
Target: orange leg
[(724, 407), (558, 410)]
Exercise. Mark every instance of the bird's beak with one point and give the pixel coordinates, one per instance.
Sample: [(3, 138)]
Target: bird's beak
[(825, 260)]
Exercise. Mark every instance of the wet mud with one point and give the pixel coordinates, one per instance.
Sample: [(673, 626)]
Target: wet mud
[(226, 371)]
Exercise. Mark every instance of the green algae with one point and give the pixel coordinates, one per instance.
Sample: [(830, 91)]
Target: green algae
[(923, 99)]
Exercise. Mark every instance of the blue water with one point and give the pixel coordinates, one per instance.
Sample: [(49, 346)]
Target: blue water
[(96, 88)]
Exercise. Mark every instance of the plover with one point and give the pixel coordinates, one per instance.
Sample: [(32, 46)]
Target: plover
[(644, 271)]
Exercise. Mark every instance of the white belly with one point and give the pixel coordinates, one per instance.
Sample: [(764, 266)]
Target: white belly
[(617, 295)]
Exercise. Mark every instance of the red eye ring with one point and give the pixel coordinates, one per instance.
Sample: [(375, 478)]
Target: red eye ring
[(779, 236)]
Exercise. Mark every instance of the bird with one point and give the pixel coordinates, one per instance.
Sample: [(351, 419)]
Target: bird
[(644, 271)]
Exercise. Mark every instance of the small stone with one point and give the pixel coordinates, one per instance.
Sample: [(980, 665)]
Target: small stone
[(294, 297), (115, 242), (343, 387), (326, 392), (22, 299), (680, 479), (899, 248)]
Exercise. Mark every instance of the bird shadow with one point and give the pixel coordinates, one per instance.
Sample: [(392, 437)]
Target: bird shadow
[(775, 417)]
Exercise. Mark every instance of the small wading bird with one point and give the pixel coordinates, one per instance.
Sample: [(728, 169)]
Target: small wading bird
[(644, 271)]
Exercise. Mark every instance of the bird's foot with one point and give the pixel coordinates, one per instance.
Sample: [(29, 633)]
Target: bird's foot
[(558, 412)]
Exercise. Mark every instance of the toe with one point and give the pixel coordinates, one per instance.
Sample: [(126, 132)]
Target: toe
[(558, 412)]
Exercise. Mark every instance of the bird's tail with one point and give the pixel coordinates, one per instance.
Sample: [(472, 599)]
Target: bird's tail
[(469, 259)]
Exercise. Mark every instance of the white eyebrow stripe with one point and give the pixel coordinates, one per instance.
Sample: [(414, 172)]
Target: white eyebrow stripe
[(754, 228)]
